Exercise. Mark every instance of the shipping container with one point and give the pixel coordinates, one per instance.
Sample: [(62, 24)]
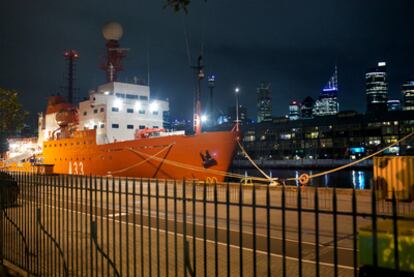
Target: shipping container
[(395, 173)]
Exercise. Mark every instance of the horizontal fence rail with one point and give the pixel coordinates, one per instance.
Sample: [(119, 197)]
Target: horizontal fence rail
[(66, 225)]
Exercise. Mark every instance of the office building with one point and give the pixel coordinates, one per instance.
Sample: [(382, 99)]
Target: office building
[(377, 88), (328, 104), (232, 116), (306, 109), (264, 102), (408, 95), (294, 110), (394, 105), (346, 135)]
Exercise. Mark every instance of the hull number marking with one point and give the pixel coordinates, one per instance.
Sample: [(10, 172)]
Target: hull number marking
[(76, 168)]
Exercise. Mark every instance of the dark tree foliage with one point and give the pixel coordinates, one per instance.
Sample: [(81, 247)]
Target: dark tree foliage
[(178, 5), (12, 116)]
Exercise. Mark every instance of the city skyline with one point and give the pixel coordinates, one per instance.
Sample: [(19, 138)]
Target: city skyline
[(294, 56)]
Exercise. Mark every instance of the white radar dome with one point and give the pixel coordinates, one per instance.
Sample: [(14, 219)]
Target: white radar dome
[(112, 31)]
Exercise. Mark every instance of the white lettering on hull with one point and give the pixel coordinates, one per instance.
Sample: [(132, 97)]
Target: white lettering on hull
[(76, 168)]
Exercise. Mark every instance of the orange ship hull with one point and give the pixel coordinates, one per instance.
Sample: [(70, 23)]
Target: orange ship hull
[(202, 156)]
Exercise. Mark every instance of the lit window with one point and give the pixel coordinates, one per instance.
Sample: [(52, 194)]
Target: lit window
[(285, 136)]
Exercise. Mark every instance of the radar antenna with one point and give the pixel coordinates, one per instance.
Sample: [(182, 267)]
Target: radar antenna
[(113, 32)]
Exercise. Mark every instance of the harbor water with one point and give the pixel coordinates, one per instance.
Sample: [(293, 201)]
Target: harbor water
[(348, 178)]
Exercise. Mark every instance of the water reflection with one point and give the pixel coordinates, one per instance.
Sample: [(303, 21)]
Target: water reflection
[(358, 179)]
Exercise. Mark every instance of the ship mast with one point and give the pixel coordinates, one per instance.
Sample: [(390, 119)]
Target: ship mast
[(71, 56), (199, 69)]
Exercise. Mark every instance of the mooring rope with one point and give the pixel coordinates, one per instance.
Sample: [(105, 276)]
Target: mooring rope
[(354, 162), (254, 164), (141, 162), (266, 178), (304, 178), (197, 168)]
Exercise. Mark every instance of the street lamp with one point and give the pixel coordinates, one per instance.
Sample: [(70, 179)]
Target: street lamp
[(236, 92)]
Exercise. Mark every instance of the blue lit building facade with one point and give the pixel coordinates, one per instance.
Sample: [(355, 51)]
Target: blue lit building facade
[(328, 104)]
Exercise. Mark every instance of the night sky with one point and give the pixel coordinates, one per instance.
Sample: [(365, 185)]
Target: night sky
[(294, 44)]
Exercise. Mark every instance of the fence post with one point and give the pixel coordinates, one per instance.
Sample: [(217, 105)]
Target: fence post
[(374, 229), (283, 204), (1, 226), (316, 200), (395, 231)]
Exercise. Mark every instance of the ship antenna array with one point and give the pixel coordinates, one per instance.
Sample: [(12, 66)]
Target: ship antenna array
[(71, 56)]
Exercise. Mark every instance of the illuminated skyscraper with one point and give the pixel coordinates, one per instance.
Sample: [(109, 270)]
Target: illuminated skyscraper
[(264, 102), (294, 110), (327, 104), (408, 95), (376, 88), (394, 105)]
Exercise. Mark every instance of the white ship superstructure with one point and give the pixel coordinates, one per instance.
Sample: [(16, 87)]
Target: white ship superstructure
[(117, 110)]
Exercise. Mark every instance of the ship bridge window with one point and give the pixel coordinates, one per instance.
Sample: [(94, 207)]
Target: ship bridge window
[(115, 109), (129, 110), (130, 126), (131, 96), (115, 126), (143, 97)]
